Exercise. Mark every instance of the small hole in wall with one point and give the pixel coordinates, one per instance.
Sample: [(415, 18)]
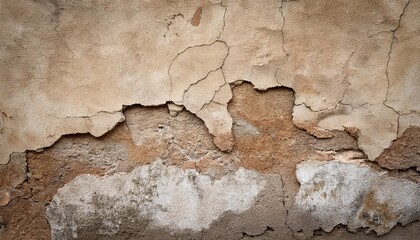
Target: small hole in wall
[(318, 232)]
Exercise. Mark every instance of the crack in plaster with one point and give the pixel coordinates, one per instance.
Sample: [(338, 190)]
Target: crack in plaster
[(345, 79), (389, 56), (196, 46), (387, 66), (266, 230), (217, 91), (286, 223), (214, 95), (220, 87), (93, 115), (282, 29), (55, 17), (224, 20)]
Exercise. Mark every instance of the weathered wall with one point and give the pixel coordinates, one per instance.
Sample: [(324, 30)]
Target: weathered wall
[(209, 119)]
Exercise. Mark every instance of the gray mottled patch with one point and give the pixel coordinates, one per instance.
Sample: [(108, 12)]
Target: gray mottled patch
[(165, 195), (337, 192)]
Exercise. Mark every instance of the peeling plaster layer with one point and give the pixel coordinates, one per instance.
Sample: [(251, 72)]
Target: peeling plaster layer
[(377, 125), (346, 193), (66, 60), (267, 141), (404, 153), (346, 65), (167, 196)]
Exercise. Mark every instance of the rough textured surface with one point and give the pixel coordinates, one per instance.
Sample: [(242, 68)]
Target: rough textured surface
[(404, 152), (12, 176), (170, 197), (152, 133), (346, 193), (156, 52), (100, 89)]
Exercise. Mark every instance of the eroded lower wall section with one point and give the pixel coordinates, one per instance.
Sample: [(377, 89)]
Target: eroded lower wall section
[(158, 175), (354, 195)]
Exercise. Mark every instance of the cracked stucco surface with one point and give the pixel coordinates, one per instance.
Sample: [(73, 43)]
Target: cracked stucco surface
[(70, 66), (331, 127)]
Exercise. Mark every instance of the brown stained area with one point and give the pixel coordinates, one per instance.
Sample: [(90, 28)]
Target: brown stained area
[(23, 219), (265, 140), (404, 152), (317, 187), (12, 177), (13, 173), (280, 145), (375, 213), (182, 140), (224, 142), (354, 132), (195, 20), (47, 178)]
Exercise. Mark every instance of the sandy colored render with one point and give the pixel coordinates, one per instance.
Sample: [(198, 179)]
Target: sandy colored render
[(70, 66)]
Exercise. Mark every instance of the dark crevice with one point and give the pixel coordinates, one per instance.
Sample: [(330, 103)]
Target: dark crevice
[(267, 229)]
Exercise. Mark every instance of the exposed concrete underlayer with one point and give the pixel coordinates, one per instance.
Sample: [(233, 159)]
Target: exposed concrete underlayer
[(170, 197), (354, 195), (95, 142), (108, 204)]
